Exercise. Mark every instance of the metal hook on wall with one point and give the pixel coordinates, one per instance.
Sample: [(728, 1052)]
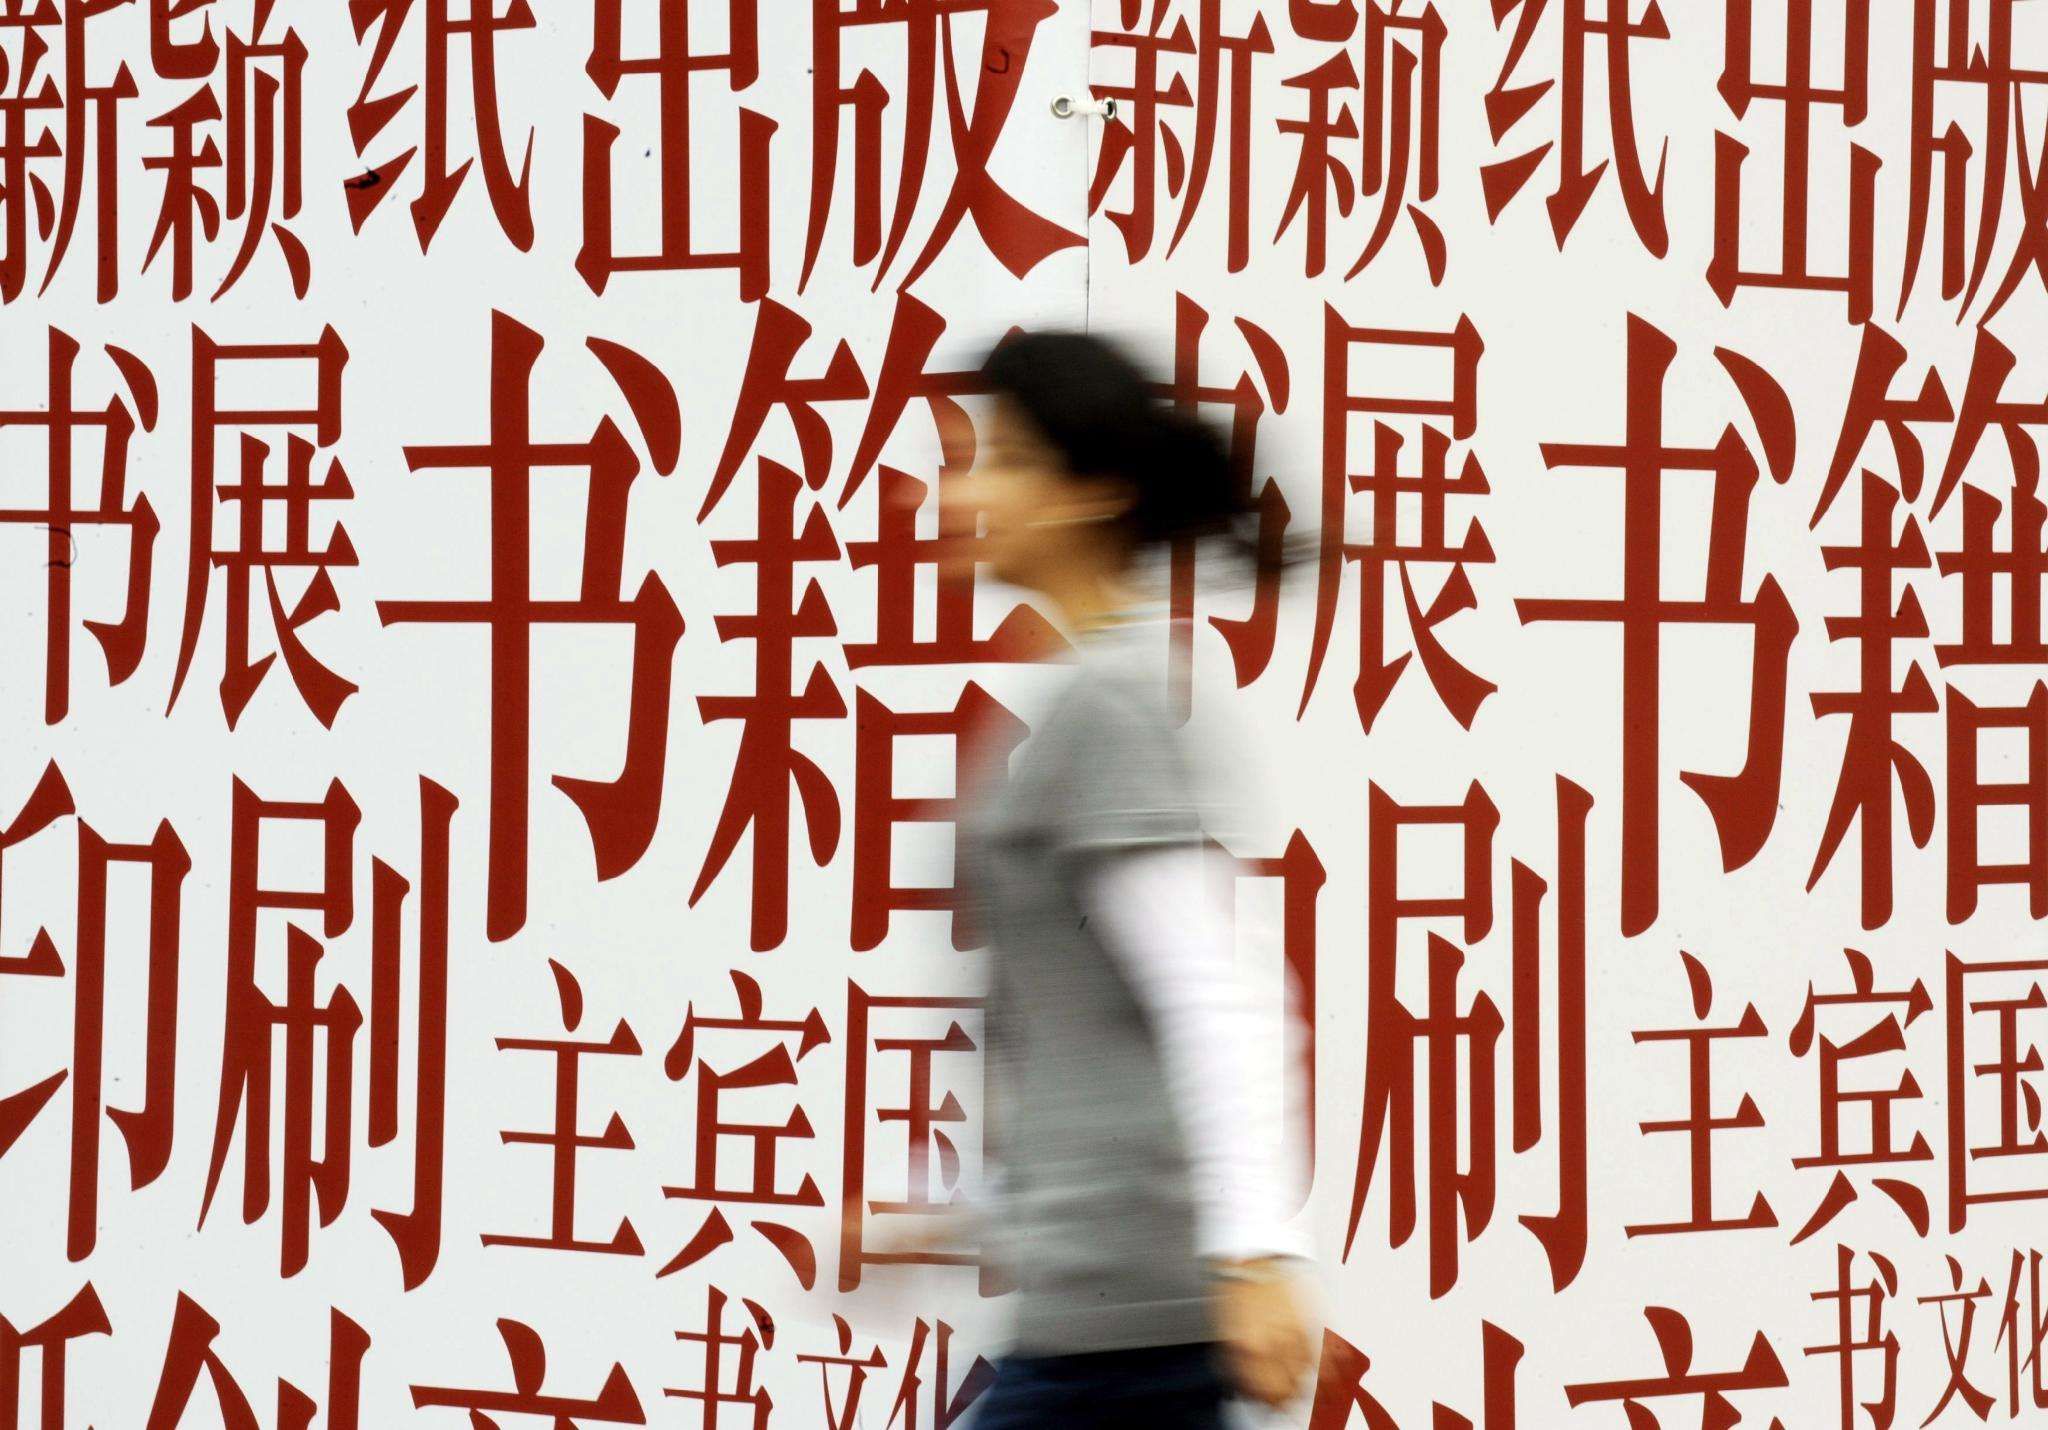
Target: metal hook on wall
[(1065, 106)]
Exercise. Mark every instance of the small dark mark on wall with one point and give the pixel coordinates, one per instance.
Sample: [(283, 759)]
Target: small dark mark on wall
[(369, 180), (70, 542)]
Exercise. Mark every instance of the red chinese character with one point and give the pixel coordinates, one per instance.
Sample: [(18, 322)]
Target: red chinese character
[(674, 67), (1701, 1123), (1018, 238), (923, 1115), (620, 813), (1395, 1036), (2023, 1331), (146, 1130), (2004, 1071), (89, 146), (287, 501), (368, 115), (254, 1024), (1507, 105), (947, 1404), (1397, 129), (566, 1138), (1138, 140), (262, 123), (62, 423), (1955, 1344), (1217, 113), (1801, 97), (844, 1414), (1385, 484), (1876, 1108), (716, 1341), (1744, 805), (715, 1128), (1853, 1340)]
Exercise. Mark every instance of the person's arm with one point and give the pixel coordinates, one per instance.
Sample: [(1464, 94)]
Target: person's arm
[(1164, 914), (1133, 802)]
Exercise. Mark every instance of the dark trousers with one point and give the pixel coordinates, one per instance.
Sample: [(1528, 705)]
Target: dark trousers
[(1167, 1387)]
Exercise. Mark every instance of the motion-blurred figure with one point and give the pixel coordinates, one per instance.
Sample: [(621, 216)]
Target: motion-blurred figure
[(1130, 1077)]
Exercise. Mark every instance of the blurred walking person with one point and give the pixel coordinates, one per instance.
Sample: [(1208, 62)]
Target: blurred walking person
[(1130, 1074)]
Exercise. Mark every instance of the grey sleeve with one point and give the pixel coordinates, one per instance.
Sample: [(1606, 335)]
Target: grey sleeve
[(1125, 778)]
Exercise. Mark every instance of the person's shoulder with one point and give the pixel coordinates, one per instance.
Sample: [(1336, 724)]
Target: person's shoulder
[(1115, 695)]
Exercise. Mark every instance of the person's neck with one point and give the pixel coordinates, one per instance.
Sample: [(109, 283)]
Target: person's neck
[(1091, 601)]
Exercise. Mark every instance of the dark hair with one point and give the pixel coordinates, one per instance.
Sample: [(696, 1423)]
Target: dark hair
[(1090, 401)]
